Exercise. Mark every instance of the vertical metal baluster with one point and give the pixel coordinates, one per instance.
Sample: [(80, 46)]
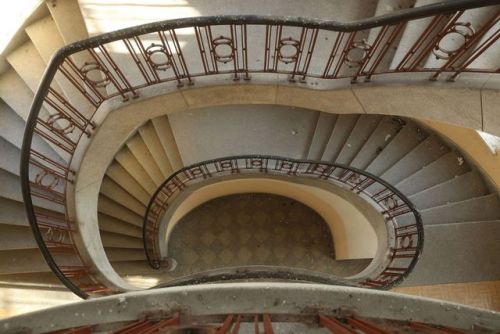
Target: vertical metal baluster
[(268, 327), (392, 38), (310, 50)]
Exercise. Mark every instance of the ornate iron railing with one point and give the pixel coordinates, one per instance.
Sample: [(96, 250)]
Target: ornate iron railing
[(405, 233), (265, 323), (119, 65)]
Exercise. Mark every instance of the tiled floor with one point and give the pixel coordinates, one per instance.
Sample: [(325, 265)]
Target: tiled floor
[(478, 294), (254, 229)]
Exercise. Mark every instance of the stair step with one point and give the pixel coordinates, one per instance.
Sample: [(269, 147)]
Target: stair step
[(12, 212), (120, 176), (167, 139), (11, 186), (379, 139), (69, 20), (111, 224), (343, 127), (10, 157), (461, 252), (46, 280), (141, 152), (363, 129), (403, 142), (18, 237), (129, 162), (11, 125), (29, 65), (124, 268), (18, 95), (322, 132), (426, 152), (458, 189), (125, 254), (113, 240), (445, 168), (45, 37), (153, 143), (112, 190), (474, 209), (47, 41), (22, 261), (114, 209), (14, 113)]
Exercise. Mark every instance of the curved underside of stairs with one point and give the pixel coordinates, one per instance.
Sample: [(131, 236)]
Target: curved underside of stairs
[(449, 192), (455, 199)]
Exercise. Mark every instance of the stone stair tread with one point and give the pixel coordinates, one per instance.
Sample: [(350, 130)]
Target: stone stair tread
[(116, 210), (153, 143), (321, 134), (378, 140), (141, 152), (445, 168), (460, 188), (341, 130), (404, 141), (361, 132), (114, 240), (113, 191), (111, 224), (426, 152), (477, 208)]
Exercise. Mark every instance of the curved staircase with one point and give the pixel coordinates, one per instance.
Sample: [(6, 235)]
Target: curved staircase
[(459, 206), (447, 190)]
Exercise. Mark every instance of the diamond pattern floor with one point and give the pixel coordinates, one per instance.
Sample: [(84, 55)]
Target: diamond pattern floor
[(478, 294), (254, 229)]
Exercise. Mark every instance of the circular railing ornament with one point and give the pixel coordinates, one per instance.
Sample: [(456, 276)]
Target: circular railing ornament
[(453, 40), (357, 53), (223, 49), (47, 179), (95, 74), (158, 57), (61, 124), (288, 50)]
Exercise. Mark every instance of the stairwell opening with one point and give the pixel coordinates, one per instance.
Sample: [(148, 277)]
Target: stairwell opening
[(253, 229)]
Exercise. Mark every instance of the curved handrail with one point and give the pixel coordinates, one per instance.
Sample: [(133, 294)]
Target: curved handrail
[(47, 181), (405, 236)]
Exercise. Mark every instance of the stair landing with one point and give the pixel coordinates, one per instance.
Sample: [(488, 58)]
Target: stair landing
[(255, 229)]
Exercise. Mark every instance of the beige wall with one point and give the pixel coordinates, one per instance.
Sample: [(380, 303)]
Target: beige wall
[(469, 141)]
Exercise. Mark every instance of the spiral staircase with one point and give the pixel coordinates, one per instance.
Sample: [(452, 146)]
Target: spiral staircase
[(103, 121)]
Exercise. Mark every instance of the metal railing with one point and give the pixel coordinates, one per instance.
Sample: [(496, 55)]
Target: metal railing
[(405, 232), (266, 323), (122, 63)]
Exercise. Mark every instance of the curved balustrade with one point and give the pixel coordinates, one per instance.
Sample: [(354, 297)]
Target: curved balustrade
[(404, 226), (243, 308), (119, 65)]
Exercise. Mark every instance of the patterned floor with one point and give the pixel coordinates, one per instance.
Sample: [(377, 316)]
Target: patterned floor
[(254, 229), (478, 294)]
